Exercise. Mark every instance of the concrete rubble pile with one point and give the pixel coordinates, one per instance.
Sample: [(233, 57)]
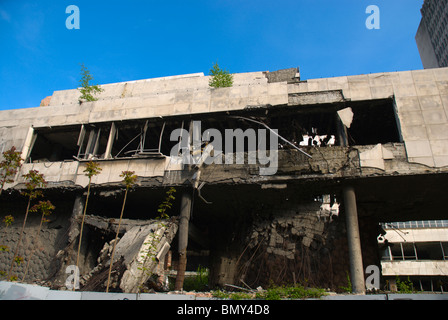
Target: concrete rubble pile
[(140, 254), (388, 161)]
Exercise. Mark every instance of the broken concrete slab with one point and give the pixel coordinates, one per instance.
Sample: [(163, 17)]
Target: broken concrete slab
[(111, 224), (375, 157), (140, 248), (317, 97), (137, 255), (289, 75), (346, 116)]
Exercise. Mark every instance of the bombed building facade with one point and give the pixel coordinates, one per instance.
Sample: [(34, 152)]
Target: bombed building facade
[(277, 179)]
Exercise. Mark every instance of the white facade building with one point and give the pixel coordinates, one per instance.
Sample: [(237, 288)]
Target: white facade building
[(416, 251)]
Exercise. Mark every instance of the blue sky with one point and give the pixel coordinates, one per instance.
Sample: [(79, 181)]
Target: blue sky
[(139, 39)]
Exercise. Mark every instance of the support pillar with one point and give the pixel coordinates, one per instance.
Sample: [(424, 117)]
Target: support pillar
[(354, 241), (185, 211)]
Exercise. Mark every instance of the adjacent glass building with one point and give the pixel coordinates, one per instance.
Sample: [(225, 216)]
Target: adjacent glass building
[(432, 34)]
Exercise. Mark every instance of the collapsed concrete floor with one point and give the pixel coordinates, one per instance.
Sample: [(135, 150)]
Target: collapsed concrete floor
[(246, 235)]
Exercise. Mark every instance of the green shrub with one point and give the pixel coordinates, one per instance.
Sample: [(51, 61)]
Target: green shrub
[(290, 292), (220, 78), (199, 282), (404, 286), (87, 90), (274, 293)]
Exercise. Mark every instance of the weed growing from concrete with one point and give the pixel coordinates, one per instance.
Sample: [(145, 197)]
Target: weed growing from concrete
[(220, 78), (92, 169), (199, 282), (87, 90), (404, 286), (129, 179), (153, 243), (295, 292)]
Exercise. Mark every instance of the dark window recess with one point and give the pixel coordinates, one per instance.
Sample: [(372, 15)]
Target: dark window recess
[(429, 251), (55, 144), (396, 251), (408, 251), (142, 138), (315, 127), (444, 246), (373, 122)]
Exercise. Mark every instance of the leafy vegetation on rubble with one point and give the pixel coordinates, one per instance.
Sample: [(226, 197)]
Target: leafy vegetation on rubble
[(198, 282), (155, 240), (273, 293), (129, 179), (92, 169), (290, 292), (166, 204), (348, 287), (404, 286)]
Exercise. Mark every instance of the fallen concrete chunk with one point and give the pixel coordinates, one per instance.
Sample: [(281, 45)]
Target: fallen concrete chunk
[(346, 116), (137, 255), (142, 250)]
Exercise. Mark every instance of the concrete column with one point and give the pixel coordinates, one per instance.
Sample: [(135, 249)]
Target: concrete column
[(185, 211), (354, 241)]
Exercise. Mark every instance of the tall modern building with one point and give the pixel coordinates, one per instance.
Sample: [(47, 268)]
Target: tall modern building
[(432, 34)]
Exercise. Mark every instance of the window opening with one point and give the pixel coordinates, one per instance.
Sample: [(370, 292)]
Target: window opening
[(430, 251), (139, 140), (409, 252), (93, 141), (444, 246), (373, 122), (55, 144)]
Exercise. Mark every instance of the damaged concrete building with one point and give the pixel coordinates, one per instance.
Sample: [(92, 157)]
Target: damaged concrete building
[(349, 152)]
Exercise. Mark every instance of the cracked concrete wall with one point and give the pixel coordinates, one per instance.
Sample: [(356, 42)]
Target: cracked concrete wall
[(421, 99), (297, 245), (149, 99), (40, 251), (302, 243)]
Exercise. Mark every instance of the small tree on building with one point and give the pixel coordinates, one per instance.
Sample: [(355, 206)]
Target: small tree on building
[(220, 78), (87, 90)]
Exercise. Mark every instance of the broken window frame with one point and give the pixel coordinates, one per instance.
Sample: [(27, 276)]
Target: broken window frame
[(146, 138), (420, 251), (129, 148), (92, 143), (444, 247), (142, 150)]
